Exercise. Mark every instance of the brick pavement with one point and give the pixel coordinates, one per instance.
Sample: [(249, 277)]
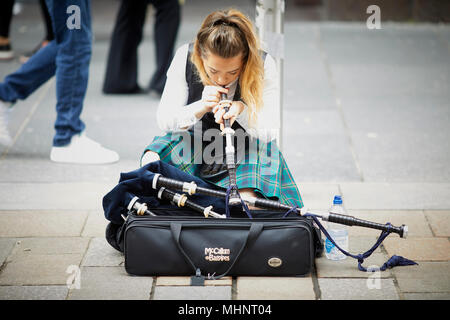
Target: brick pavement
[(38, 247), (51, 220)]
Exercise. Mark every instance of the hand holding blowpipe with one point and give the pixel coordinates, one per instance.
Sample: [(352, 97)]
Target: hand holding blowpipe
[(226, 106), (181, 200), (229, 150), (192, 188)]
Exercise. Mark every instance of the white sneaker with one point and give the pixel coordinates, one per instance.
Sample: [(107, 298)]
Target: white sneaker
[(6, 52), (5, 108), (83, 150)]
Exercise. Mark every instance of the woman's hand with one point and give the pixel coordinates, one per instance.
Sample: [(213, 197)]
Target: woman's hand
[(211, 97), (235, 109)]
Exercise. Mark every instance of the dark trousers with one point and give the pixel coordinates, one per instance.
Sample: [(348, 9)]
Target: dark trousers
[(6, 12), (67, 57), (122, 66), (48, 21)]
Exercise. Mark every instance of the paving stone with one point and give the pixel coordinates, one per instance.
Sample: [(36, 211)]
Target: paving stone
[(186, 281), (376, 115), (22, 169), (439, 222), (313, 122), (192, 293), (38, 269), (392, 161), (426, 296), (56, 196), (42, 261), (110, 283), (33, 292), (54, 223), (320, 158), (275, 288), (304, 54), (357, 289), (348, 268), (95, 225), (317, 195), (415, 220), (375, 67), (431, 277), (396, 196), (50, 246), (6, 246), (419, 249), (101, 254)]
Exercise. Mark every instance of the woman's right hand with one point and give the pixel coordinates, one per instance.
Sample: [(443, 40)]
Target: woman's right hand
[(211, 97)]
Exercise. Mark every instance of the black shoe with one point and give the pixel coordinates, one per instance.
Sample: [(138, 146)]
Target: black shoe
[(6, 52)]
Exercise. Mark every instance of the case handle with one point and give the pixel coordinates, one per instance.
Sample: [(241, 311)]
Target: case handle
[(253, 233)]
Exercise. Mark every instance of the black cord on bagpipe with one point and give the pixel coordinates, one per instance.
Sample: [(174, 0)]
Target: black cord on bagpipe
[(162, 184), (231, 196), (191, 188)]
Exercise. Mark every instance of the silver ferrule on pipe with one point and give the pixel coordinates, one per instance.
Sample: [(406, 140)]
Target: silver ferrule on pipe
[(155, 181), (132, 202), (189, 187)]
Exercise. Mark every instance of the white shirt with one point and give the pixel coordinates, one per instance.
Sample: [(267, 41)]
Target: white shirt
[(174, 115)]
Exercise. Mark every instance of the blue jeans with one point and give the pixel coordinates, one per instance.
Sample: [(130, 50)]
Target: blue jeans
[(68, 58)]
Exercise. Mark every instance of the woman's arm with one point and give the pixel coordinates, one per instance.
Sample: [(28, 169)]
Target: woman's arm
[(172, 113)]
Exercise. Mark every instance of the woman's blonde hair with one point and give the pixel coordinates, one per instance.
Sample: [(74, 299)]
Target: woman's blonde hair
[(228, 33)]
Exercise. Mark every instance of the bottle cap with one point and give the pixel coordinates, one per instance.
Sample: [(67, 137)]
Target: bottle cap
[(337, 200)]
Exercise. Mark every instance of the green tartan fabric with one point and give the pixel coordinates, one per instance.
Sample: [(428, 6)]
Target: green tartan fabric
[(267, 175)]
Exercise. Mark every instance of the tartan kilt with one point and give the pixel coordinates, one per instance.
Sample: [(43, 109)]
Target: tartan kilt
[(266, 175)]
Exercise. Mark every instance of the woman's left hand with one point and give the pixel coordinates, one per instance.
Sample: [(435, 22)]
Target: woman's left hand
[(219, 113)]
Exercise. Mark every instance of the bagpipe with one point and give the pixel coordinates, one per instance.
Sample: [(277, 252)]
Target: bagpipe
[(168, 222)]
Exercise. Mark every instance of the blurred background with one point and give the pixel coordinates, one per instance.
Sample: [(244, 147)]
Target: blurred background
[(359, 105), (365, 114)]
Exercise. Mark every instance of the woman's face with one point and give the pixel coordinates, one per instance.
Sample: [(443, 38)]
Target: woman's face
[(222, 71)]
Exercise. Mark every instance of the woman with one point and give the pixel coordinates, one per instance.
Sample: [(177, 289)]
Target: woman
[(225, 58)]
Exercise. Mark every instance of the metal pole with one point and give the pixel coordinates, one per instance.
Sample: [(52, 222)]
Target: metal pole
[(270, 25)]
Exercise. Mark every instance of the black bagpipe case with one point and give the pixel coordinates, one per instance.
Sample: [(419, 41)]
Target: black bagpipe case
[(180, 242)]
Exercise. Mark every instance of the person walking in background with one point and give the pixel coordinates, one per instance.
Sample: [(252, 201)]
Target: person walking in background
[(6, 12), (48, 36), (67, 57), (122, 66)]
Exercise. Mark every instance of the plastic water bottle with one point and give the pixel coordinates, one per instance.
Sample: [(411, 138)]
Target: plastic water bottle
[(338, 233)]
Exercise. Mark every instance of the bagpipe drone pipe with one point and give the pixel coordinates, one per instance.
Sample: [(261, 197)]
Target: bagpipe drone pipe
[(167, 222)]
